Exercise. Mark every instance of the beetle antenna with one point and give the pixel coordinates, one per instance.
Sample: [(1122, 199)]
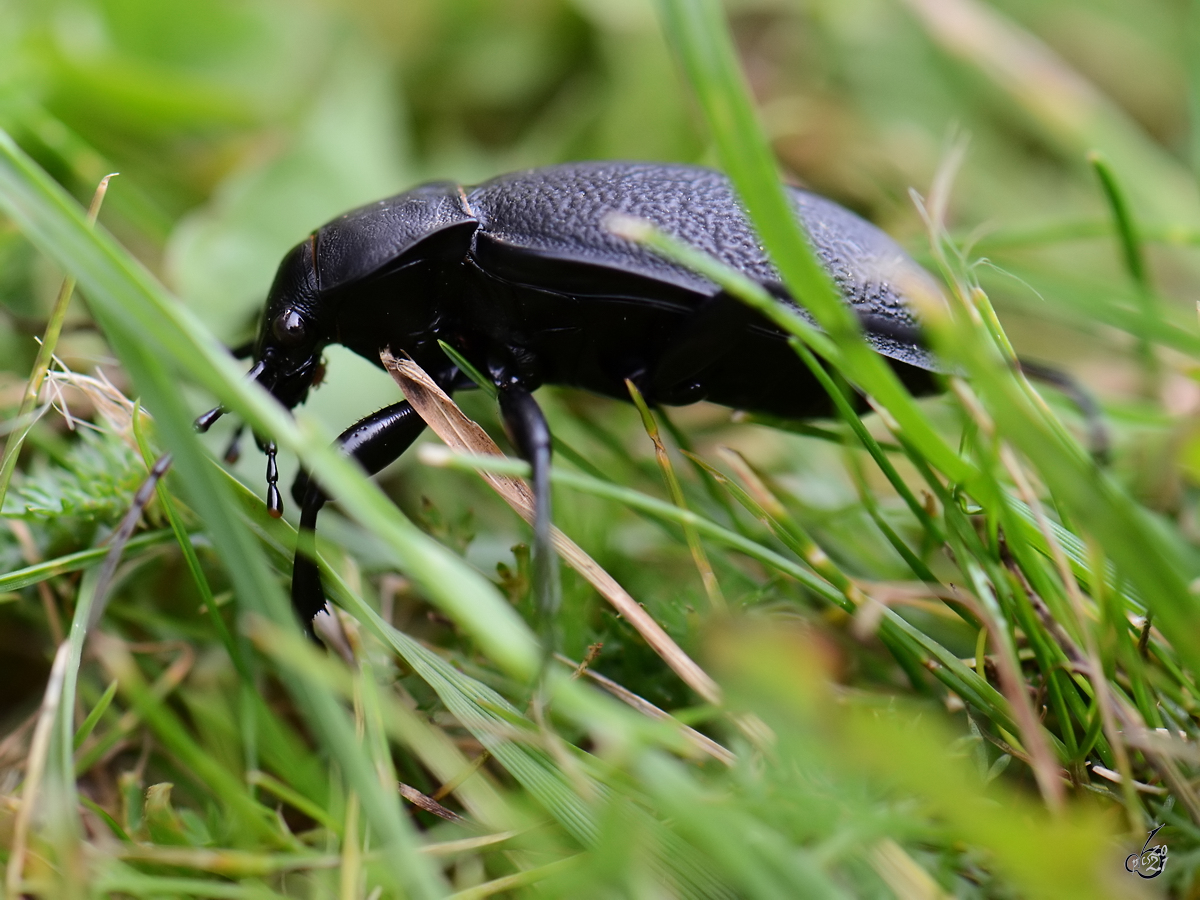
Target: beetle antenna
[(207, 420), (274, 500)]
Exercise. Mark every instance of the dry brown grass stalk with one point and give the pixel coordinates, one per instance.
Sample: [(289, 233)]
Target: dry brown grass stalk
[(460, 433)]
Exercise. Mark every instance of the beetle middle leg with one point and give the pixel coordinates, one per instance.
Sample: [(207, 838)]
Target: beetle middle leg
[(530, 434), (374, 442)]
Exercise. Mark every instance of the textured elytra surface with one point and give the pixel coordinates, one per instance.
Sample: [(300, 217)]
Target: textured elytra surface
[(558, 214), (561, 210)]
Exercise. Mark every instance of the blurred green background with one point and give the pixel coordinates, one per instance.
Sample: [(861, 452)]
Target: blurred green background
[(238, 127)]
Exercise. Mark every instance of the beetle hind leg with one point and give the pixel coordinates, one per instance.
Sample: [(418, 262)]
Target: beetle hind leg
[(526, 426), (1098, 433)]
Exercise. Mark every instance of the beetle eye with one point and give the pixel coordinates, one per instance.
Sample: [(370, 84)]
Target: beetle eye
[(288, 328)]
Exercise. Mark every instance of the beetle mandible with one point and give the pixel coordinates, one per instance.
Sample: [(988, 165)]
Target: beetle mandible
[(521, 276)]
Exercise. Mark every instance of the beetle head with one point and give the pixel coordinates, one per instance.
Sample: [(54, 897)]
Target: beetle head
[(291, 335), (287, 353)]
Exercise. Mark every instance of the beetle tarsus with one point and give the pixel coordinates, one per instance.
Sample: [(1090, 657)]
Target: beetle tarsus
[(274, 500), (1098, 437)]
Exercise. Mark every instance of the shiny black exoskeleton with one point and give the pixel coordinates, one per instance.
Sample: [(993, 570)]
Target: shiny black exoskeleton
[(522, 277)]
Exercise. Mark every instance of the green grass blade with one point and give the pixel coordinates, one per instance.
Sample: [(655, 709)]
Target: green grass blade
[(82, 559), (950, 670), (41, 365), (144, 329), (697, 30)]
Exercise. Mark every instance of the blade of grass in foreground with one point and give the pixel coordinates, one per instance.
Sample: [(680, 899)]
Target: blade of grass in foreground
[(698, 31), (776, 673), (493, 721), (258, 591), (45, 355), (696, 28), (74, 562), (145, 329), (573, 796), (1142, 553)]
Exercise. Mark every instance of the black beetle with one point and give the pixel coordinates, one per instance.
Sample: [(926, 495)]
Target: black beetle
[(521, 276)]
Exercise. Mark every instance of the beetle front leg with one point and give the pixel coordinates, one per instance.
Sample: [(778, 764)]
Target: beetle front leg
[(300, 486), (374, 442), (526, 426)]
